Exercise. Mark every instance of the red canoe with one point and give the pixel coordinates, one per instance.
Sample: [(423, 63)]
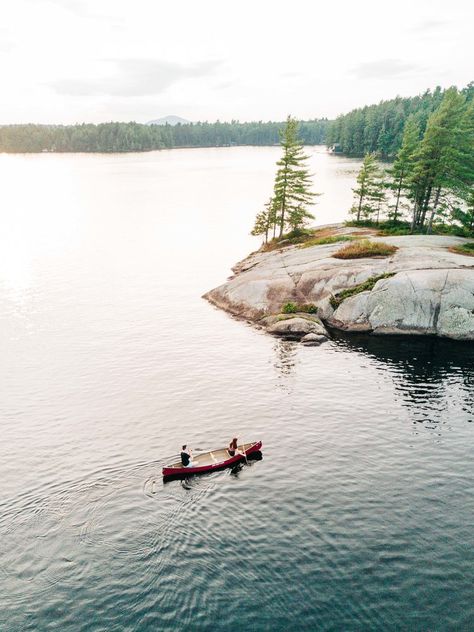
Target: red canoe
[(213, 460)]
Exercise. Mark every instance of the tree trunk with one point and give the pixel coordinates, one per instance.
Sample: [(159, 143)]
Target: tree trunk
[(433, 211), (282, 221), (283, 203), (413, 220), (360, 206), (419, 207), (416, 211), (424, 207), (398, 198)]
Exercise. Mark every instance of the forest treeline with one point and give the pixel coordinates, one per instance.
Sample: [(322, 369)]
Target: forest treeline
[(374, 129), (430, 184), (429, 187), (122, 137), (379, 128)]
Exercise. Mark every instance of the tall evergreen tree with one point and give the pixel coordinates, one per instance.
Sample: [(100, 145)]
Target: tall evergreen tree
[(460, 163), (292, 193), (404, 162), (368, 188), (378, 194), (443, 161), (468, 218)]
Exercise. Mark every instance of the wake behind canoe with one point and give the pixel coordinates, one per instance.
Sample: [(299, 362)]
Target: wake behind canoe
[(213, 460)]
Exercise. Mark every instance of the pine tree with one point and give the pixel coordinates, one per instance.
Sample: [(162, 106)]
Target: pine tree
[(439, 158), (378, 194), (368, 181), (272, 211), (261, 226), (404, 162), (265, 220), (459, 179), (468, 220), (465, 214), (292, 192)]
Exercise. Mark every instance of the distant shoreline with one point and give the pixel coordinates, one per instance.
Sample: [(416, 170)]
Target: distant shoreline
[(142, 151), (138, 137), (147, 151)]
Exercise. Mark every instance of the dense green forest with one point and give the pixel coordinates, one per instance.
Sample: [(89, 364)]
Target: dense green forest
[(372, 129), (379, 128), (430, 185), (116, 137)]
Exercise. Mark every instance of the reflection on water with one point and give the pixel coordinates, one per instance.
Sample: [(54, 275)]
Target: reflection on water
[(286, 352), (433, 377)]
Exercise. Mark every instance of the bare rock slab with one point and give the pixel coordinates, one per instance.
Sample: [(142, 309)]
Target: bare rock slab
[(430, 292)]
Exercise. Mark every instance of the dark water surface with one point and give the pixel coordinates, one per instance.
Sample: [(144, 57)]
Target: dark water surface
[(359, 516)]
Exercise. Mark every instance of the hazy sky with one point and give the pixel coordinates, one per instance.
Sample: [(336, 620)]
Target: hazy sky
[(69, 61)]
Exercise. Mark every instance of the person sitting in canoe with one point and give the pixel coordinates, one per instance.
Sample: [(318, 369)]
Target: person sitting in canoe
[(186, 457), (232, 449)]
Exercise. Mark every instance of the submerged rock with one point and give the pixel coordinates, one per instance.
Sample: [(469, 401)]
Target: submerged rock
[(313, 340), (297, 327), (431, 291)]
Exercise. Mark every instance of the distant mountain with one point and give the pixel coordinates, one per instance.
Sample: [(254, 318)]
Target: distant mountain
[(168, 120)]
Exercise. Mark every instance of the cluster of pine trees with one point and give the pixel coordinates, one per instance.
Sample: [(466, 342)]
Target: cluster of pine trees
[(120, 137), (432, 177), (287, 209), (379, 128)]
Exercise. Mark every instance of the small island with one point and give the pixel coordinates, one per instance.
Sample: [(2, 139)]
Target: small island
[(423, 287), (407, 264)]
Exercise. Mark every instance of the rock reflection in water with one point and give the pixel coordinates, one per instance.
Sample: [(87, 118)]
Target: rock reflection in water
[(430, 375), (286, 355)]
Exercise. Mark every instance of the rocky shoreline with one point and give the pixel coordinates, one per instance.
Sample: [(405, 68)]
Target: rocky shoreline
[(422, 289)]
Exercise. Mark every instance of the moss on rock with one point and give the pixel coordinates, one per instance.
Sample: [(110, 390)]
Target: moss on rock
[(366, 286)]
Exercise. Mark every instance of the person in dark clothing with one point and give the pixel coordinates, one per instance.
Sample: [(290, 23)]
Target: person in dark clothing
[(186, 457), (232, 449)]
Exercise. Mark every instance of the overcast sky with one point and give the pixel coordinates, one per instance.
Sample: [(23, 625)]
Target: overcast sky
[(66, 61)]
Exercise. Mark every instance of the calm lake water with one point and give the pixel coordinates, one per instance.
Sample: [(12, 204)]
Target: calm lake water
[(359, 516)]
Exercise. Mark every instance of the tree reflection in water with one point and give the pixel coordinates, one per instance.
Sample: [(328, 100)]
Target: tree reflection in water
[(433, 377)]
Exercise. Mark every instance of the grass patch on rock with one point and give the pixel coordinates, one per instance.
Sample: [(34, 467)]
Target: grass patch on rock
[(365, 248), (306, 236), (366, 286), (288, 239), (464, 249), (297, 308), (322, 241)]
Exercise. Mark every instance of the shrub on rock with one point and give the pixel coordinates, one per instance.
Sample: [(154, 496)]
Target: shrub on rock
[(296, 308), (365, 248)]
